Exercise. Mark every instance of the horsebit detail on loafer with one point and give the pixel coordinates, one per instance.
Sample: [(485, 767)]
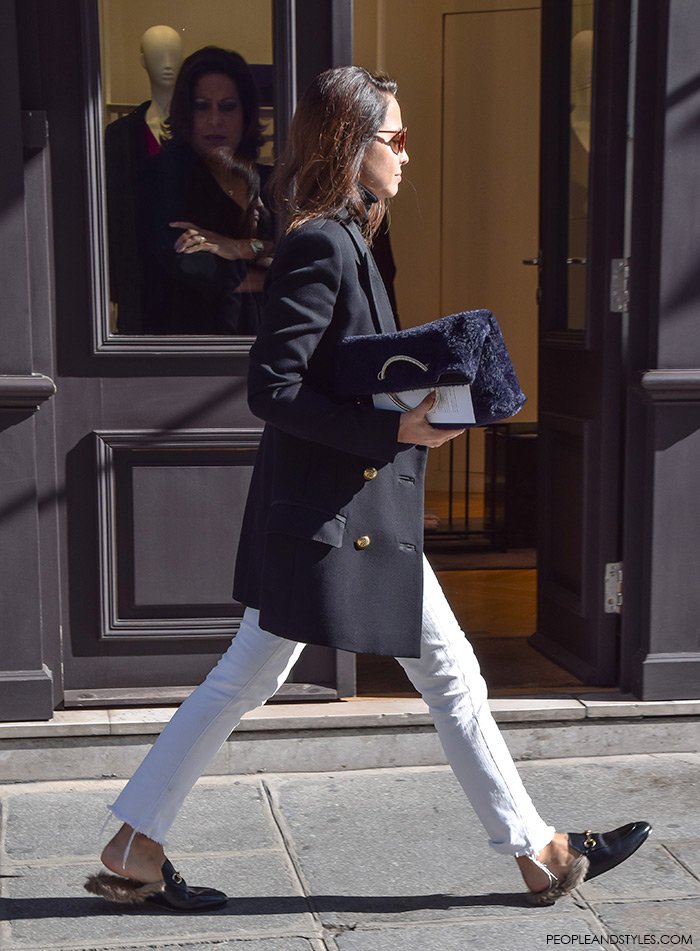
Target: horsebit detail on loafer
[(598, 852)]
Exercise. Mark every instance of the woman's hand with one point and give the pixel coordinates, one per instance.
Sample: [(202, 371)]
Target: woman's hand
[(414, 427), (195, 239)]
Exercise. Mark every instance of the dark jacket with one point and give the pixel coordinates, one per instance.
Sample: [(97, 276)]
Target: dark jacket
[(129, 181), (332, 539), (195, 293)]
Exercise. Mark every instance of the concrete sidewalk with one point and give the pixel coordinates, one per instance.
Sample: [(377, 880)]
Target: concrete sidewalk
[(367, 860)]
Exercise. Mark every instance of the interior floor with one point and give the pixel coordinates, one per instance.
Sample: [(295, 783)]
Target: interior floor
[(496, 610), (493, 595)]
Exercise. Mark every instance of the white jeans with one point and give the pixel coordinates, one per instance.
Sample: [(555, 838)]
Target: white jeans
[(257, 663)]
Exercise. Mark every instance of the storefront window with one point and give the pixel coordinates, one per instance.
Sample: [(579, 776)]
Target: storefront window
[(188, 148)]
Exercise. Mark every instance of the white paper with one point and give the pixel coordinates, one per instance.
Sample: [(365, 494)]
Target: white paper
[(454, 405)]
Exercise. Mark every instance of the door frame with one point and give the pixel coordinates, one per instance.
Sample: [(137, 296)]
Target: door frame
[(661, 648)]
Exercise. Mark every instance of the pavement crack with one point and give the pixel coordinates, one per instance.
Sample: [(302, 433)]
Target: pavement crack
[(341, 929), (271, 797), (679, 860)]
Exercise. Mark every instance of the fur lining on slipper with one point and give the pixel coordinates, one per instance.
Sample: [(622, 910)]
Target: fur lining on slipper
[(125, 891)]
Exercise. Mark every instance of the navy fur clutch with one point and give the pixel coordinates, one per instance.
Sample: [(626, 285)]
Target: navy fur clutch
[(464, 349)]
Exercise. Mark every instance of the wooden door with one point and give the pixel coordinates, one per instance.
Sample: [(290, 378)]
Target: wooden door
[(583, 153), (154, 442)]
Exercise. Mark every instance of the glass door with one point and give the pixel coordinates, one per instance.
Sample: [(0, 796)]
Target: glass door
[(582, 186)]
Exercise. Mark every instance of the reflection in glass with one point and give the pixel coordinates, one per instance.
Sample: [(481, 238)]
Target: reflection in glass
[(580, 135), (187, 154)]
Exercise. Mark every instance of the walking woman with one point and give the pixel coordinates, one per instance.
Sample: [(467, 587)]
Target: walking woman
[(331, 548)]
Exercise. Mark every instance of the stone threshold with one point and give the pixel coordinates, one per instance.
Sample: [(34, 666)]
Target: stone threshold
[(362, 714)]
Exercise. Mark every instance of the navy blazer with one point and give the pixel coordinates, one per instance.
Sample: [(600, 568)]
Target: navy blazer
[(331, 544)]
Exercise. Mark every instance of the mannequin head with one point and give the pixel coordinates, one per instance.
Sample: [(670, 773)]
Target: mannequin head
[(581, 85), (161, 55)]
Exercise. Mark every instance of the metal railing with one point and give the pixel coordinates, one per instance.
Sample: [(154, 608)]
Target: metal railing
[(507, 514)]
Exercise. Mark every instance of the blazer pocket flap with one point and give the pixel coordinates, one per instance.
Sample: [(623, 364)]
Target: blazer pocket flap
[(304, 521)]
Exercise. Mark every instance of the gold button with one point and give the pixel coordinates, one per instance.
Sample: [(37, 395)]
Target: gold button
[(370, 473), (363, 541)]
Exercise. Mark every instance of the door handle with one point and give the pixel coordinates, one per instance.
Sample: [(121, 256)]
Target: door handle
[(536, 262)]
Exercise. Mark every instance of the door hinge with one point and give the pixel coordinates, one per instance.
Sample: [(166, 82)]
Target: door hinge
[(35, 130), (620, 285), (613, 587)]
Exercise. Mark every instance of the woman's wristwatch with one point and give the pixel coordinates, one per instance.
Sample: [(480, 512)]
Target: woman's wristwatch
[(257, 247)]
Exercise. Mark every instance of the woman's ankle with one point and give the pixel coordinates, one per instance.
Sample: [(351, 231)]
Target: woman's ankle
[(132, 853), (549, 864), (556, 854)]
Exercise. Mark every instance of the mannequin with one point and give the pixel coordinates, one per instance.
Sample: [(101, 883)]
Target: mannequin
[(131, 142), (581, 85), (161, 57), (580, 145)]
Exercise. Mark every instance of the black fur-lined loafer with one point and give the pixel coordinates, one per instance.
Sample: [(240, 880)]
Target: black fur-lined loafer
[(171, 892), (605, 850), (178, 895), (598, 852)]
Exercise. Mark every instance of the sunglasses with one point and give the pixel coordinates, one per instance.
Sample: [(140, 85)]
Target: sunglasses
[(397, 143)]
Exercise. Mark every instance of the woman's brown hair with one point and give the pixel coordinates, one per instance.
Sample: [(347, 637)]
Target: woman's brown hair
[(203, 62), (226, 167), (319, 171)]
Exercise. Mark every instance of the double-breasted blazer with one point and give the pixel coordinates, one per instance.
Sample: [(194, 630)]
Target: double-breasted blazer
[(331, 545)]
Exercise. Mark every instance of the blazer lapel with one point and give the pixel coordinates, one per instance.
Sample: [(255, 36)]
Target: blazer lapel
[(382, 304), (382, 313)]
